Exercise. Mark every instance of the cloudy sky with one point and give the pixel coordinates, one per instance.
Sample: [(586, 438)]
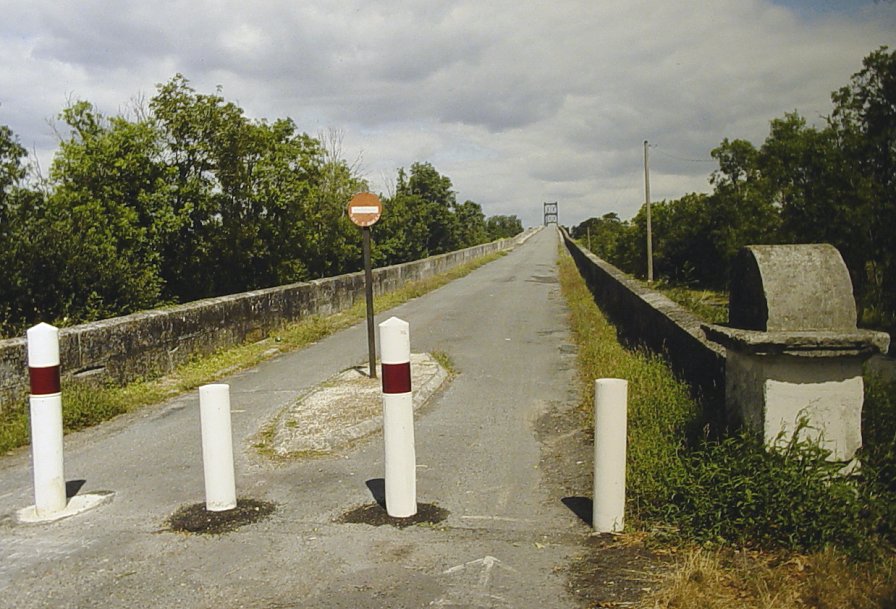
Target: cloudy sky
[(519, 102)]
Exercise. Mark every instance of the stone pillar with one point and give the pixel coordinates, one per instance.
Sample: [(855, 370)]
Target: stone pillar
[(793, 350)]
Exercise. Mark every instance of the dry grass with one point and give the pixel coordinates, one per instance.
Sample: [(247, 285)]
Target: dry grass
[(722, 579)]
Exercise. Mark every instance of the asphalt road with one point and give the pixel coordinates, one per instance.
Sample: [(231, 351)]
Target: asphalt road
[(506, 541)]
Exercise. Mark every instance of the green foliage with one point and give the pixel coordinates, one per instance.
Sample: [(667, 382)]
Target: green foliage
[(734, 490), (604, 236), (503, 227), (834, 184), (709, 305), (660, 407), (878, 455), (425, 219), (192, 199), (738, 491)]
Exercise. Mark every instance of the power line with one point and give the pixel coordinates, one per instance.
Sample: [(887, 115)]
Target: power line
[(680, 158)]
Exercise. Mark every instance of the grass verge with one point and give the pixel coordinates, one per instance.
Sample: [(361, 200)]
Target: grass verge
[(709, 305), (659, 407), (86, 405), (752, 528)]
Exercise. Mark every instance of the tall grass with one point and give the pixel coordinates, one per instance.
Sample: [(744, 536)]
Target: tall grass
[(660, 408)]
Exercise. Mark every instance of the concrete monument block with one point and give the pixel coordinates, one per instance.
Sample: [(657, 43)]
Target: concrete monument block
[(793, 350)]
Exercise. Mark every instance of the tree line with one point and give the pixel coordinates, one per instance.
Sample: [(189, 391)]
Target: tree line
[(835, 183), (184, 197)]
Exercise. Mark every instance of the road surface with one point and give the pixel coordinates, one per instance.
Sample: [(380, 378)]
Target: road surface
[(506, 542)]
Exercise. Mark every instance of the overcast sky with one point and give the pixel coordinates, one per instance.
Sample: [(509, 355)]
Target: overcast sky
[(518, 102)]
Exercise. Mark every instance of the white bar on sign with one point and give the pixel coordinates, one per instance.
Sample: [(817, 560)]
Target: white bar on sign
[(365, 209)]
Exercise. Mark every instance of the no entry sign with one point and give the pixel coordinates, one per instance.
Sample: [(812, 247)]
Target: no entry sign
[(365, 209)]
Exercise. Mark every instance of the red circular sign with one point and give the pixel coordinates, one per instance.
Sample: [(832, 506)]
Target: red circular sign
[(365, 209)]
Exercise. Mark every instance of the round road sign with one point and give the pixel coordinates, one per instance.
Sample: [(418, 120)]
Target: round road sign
[(365, 209)]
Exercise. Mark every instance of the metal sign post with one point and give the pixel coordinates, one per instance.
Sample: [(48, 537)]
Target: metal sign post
[(364, 210)]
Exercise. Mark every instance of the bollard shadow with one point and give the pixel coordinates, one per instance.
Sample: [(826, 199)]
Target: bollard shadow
[(72, 487), (377, 488), (583, 507)]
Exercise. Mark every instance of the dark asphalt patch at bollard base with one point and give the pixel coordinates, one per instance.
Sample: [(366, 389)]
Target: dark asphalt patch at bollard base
[(375, 514), (198, 520)]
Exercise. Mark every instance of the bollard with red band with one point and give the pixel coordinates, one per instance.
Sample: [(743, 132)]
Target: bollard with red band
[(398, 419), (46, 420)]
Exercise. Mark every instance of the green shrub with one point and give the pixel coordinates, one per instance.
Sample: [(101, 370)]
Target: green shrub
[(739, 491), (878, 456)]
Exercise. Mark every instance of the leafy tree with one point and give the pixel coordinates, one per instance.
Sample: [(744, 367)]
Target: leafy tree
[(502, 227), (12, 167), (402, 233), (741, 210), (605, 234), (471, 224), (429, 184), (16, 205), (206, 140), (821, 197), (683, 236), (193, 199), (434, 190), (104, 219), (864, 122)]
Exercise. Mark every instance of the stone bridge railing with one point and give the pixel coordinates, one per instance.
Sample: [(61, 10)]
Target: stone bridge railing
[(150, 343), (644, 317)]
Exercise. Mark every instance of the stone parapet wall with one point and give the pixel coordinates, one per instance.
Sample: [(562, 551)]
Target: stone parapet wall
[(146, 344), (644, 317)]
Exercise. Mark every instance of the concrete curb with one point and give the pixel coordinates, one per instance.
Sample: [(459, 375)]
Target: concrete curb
[(341, 410)]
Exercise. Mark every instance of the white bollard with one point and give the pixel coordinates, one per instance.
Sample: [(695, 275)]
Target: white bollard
[(610, 428), (398, 419), (217, 447), (46, 420)]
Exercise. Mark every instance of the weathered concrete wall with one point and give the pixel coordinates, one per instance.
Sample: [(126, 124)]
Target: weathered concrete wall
[(644, 317), (146, 344), (771, 393)]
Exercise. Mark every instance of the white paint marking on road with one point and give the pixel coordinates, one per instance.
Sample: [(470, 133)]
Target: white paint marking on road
[(485, 567), (486, 563), (498, 518)]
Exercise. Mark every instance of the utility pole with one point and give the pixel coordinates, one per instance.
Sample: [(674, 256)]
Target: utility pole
[(649, 227)]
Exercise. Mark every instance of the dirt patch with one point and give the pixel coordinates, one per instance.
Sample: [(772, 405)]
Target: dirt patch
[(374, 514), (197, 519), (611, 570), (614, 571)]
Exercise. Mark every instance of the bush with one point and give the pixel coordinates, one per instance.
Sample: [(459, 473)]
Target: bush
[(736, 490), (878, 457)]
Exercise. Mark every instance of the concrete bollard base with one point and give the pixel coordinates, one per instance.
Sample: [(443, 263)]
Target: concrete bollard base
[(76, 505)]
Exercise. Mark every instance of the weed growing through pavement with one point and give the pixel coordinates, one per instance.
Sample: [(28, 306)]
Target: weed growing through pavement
[(446, 362)]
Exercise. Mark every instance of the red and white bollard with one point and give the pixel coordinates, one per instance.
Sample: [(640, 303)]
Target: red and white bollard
[(217, 447), (46, 420), (398, 418), (610, 429)]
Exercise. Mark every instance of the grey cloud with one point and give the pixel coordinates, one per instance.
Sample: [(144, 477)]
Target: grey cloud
[(558, 94)]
